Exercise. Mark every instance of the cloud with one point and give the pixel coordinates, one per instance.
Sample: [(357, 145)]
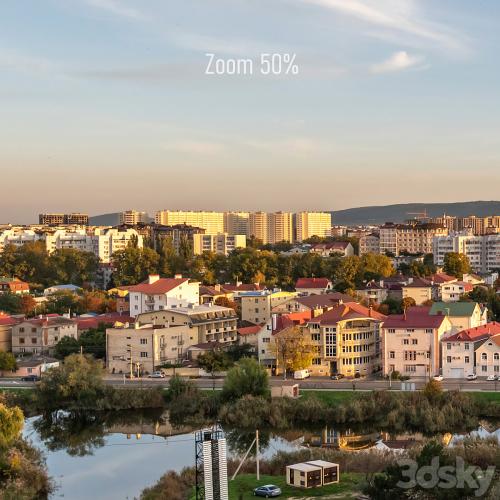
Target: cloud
[(118, 8), (399, 61), (195, 147), (400, 17)]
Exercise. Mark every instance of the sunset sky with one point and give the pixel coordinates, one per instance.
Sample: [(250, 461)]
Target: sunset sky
[(105, 105)]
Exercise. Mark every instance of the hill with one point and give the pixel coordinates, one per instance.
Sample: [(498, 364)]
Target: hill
[(399, 212), (105, 219)]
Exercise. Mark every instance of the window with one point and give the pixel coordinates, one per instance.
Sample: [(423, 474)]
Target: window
[(21, 340), (266, 340), (316, 337), (466, 359), (429, 330), (484, 368), (448, 346), (496, 356), (144, 341), (448, 359), (144, 354), (316, 361), (33, 330), (391, 330), (484, 356), (406, 341), (21, 330), (414, 341), (392, 354), (466, 346)]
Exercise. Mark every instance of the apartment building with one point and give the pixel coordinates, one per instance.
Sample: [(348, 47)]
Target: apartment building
[(237, 223), (314, 304), (107, 241), (157, 293), (177, 235), (17, 236), (280, 227), (342, 248), (218, 243), (212, 323), (212, 222), (460, 352), (483, 252), (461, 315), (419, 289), (347, 340), (53, 219), (142, 349), (411, 342), (453, 292), (259, 226), (488, 354), (40, 335), (308, 224), (411, 238), (369, 243), (76, 239), (6, 324), (133, 218), (372, 292), (256, 306)]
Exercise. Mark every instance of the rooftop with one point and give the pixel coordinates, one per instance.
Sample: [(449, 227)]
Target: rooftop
[(475, 334), (453, 308), (414, 317), (160, 286), (346, 311), (312, 283)]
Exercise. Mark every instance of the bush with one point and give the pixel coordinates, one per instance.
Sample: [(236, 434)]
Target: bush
[(246, 377)]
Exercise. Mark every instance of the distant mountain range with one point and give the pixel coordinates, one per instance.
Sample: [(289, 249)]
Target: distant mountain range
[(376, 214), (403, 211)]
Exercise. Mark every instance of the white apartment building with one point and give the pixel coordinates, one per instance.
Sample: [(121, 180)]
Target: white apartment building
[(411, 238), (488, 356), (483, 252), (369, 243), (76, 239), (108, 241), (218, 243), (212, 222), (308, 224), (17, 237), (133, 217), (157, 293)]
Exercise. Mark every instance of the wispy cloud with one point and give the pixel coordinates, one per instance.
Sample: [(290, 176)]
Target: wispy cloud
[(195, 147), (117, 8), (401, 17), (16, 61), (399, 61)]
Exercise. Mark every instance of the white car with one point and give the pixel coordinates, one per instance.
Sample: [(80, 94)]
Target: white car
[(472, 376), (157, 374), (439, 378), (491, 377)]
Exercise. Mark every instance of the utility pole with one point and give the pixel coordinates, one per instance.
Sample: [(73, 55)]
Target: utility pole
[(81, 352), (257, 453)]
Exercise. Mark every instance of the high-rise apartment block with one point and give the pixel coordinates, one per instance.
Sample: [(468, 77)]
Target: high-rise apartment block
[(222, 243), (237, 223), (259, 226), (280, 227), (76, 219), (132, 218), (308, 224), (212, 222)]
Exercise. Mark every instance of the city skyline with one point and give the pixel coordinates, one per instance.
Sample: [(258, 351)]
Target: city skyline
[(106, 100)]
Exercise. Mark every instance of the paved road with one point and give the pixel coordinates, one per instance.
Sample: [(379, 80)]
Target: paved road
[(318, 383)]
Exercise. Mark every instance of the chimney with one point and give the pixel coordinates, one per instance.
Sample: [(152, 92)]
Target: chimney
[(370, 310), (153, 278), (178, 276), (238, 283), (217, 287), (404, 314)]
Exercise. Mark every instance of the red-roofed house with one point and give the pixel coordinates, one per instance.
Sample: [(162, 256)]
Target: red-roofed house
[(6, 324), (411, 342), (347, 340), (157, 293), (452, 292), (13, 285), (85, 323), (249, 335), (340, 247), (488, 354), (459, 351), (310, 286)]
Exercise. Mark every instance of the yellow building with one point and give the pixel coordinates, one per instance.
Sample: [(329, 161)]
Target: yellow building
[(237, 223), (212, 222), (280, 227), (218, 243), (308, 224), (256, 306), (259, 226)]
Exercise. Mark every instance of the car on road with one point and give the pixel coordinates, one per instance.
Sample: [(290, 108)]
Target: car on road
[(336, 376), (491, 378), (301, 374), (30, 378), (267, 491), (157, 374), (472, 376), (439, 378)]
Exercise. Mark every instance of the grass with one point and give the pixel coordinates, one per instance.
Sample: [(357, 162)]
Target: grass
[(243, 485), (490, 397), (331, 397)]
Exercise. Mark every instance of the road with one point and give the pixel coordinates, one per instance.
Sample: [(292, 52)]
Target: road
[(317, 383)]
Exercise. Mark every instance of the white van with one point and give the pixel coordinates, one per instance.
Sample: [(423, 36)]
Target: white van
[(301, 374)]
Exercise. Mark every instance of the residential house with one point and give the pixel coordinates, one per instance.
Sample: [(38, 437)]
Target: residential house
[(144, 348), (347, 340), (459, 351), (6, 324), (212, 293), (462, 315), (13, 285), (419, 289), (343, 248), (317, 304), (309, 286), (256, 307), (40, 335), (411, 342), (453, 292), (211, 323), (36, 365), (239, 288), (488, 355), (369, 243), (372, 292), (157, 293), (249, 335)]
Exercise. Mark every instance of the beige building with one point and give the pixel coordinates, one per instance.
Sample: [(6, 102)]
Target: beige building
[(212, 222), (308, 224), (145, 348), (133, 217), (280, 227), (6, 324), (212, 323), (259, 226), (488, 356), (40, 335), (411, 238), (420, 290), (237, 223), (411, 342), (256, 307), (462, 315), (369, 243), (218, 243), (347, 340)]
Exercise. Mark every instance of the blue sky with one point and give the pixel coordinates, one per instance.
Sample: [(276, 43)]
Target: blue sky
[(105, 105)]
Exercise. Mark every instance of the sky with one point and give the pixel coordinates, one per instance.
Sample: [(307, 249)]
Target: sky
[(105, 105)]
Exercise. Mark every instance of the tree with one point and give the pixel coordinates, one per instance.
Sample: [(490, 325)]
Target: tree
[(214, 361), (11, 424), (292, 350), (10, 303), (408, 302), (66, 346), (246, 377), (7, 361), (393, 304), (456, 264), (69, 265), (27, 304), (133, 265), (77, 383)]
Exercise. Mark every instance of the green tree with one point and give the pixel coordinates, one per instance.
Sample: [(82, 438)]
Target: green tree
[(66, 346), (246, 377), (408, 302), (10, 303), (69, 265), (11, 425), (213, 362), (133, 265), (77, 383), (7, 361), (456, 264)]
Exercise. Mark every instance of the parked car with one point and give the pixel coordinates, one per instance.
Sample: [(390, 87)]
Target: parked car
[(336, 376), (301, 374), (472, 376), (491, 377), (439, 378), (157, 374), (267, 491), (30, 378)]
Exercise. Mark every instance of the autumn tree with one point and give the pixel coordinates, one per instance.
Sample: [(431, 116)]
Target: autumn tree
[(408, 302), (292, 349), (7, 361), (133, 265), (456, 264)]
